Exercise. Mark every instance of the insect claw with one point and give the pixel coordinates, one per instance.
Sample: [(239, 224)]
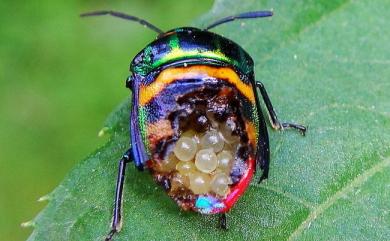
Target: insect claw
[(110, 234)]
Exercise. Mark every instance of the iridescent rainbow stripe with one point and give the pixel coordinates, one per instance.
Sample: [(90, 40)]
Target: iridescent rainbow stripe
[(191, 43)]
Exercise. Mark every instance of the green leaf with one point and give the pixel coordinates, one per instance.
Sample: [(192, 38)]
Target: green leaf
[(326, 65)]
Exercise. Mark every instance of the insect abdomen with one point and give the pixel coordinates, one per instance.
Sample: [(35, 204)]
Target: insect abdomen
[(197, 105)]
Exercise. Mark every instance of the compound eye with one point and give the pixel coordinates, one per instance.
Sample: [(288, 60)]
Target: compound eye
[(129, 83)]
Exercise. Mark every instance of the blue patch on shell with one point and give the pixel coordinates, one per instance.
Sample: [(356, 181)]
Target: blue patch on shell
[(208, 204)]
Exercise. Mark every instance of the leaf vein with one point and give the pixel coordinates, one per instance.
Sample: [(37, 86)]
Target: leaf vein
[(356, 182), (288, 195)]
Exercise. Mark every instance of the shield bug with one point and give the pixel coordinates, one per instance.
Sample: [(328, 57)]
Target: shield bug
[(196, 122)]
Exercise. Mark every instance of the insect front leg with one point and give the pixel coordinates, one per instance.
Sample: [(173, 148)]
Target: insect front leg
[(117, 216), (276, 124)]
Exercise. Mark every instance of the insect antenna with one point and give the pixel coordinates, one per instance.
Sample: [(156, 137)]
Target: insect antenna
[(123, 16), (256, 14)]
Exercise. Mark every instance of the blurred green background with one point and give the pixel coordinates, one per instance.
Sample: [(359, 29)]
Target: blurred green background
[(60, 76)]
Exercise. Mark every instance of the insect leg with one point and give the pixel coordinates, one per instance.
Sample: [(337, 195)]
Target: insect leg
[(276, 124), (262, 149), (264, 164), (117, 218), (222, 221)]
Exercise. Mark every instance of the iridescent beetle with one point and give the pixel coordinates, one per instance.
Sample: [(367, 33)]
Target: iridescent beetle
[(196, 120)]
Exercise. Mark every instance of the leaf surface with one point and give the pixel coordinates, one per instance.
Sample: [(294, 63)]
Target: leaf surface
[(325, 64)]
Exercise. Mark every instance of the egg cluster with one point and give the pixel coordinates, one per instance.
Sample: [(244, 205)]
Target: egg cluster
[(202, 162)]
